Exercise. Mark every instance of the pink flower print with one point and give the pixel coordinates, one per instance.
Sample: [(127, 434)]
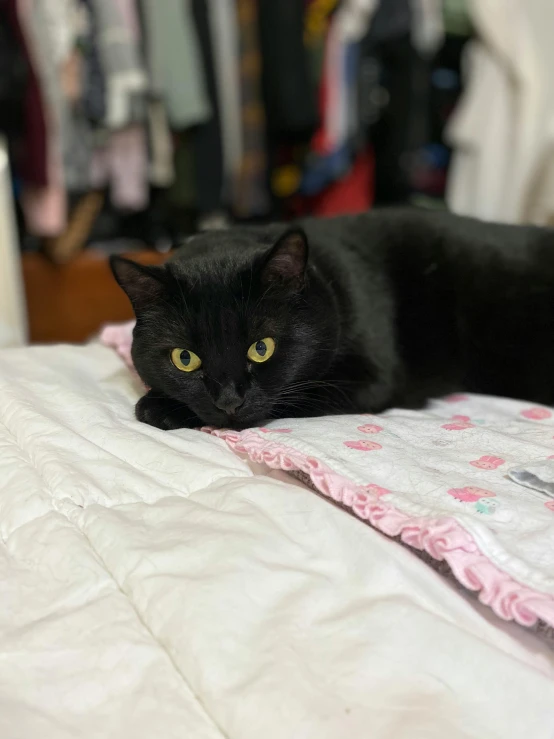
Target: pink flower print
[(551, 456), (459, 424), (363, 446), (549, 505), (377, 490), (370, 428), (470, 494), (536, 414), (455, 398), (275, 431), (487, 462)]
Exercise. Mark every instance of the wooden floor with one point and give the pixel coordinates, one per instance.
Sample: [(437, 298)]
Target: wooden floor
[(69, 303)]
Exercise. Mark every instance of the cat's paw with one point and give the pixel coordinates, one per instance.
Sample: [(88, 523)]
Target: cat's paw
[(164, 413)]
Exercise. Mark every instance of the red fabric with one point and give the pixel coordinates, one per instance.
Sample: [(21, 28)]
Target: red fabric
[(351, 194), (32, 164)]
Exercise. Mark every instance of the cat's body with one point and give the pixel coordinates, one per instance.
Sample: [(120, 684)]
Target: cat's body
[(393, 307)]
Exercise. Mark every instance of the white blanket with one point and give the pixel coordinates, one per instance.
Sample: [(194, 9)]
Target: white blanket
[(153, 584)]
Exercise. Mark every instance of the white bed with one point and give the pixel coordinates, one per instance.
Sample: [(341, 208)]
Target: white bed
[(154, 584)]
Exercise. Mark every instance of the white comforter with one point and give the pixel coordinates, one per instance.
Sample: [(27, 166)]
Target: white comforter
[(154, 585)]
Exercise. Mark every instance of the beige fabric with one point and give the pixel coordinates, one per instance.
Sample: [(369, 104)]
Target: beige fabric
[(503, 129)]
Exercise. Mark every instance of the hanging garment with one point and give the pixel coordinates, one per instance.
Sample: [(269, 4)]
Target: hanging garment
[(289, 96), (13, 79), (160, 144), (392, 19), (455, 16), (349, 25), (174, 61), (122, 162), (503, 129), (45, 207), (395, 90), (352, 194), (427, 26), (250, 192), (316, 24), (182, 193), (481, 130), (206, 137), (334, 143), (31, 161), (222, 15), (94, 83), (125, 79), (162, 169), (58, 28)]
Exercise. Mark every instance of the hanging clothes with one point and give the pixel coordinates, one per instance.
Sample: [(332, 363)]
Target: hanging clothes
[(503, 128), (125, 79), (206, 137), (161, 164), (250, 192), (222, 16), (56, 25), (351, 194), (45, 207), (160, 145), (120, 157), (288, 93), (174, 61), (13, 80), (32, 154), (427, 31), (395, 90), (316, 24), (94, 83), (122, 163), (332, 145)]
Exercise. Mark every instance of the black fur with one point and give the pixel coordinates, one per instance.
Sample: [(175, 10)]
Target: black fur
[(389, 308)]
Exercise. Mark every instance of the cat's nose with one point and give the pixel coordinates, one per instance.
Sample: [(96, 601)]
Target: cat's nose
[(229, 401)]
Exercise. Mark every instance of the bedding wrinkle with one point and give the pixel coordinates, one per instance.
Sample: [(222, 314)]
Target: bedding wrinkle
[(145, 624)]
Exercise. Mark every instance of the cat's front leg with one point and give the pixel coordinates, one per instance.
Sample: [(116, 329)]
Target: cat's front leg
[(163, 412)]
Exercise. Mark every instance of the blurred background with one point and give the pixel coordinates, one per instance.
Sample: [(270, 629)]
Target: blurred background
[(128, 125)]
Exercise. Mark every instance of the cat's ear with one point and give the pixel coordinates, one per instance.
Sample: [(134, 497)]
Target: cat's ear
[(143, 285), (286, 261)]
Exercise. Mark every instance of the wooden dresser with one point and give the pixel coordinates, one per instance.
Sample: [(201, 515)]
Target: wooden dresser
[(70, 302)]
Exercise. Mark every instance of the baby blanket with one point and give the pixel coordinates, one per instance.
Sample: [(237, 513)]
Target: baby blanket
[(446, 480), (467, 481)]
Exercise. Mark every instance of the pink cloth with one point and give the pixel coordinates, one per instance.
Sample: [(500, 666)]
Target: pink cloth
[(119, 336), (123, 163), (443, 538)]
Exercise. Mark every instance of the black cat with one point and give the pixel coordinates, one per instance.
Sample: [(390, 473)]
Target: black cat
[(389, 308)]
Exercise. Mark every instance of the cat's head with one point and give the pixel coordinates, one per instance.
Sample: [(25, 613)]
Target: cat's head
[(233, 328)]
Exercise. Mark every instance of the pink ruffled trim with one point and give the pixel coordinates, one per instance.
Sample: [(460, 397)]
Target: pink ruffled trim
[(442, 538)]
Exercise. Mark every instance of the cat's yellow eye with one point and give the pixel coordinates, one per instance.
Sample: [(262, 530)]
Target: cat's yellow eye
[(185, 360), (261, 351)]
